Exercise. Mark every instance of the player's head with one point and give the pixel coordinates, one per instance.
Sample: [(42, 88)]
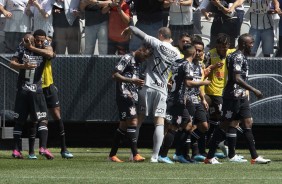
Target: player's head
[(184, 38), (29, 37), (245, 43), (189, 50), (199, 47), (222, 44), (164, 33), (39, 38), (144, 52)]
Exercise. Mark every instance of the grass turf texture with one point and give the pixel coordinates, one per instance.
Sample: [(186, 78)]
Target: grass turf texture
[(90, 165)]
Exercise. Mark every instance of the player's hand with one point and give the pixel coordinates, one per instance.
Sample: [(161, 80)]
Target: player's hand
[(138, 82), (219, 65), (258, 94), (205, 104), (28, 65), (7, 14)]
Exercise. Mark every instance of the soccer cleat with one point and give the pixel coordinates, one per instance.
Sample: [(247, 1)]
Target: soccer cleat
[(66, 154), (211, 161), (165, 160), (219, 155), (46, 153), (115, 159), (17, 154), (181, 159), (199, 158), (260, 160), (237, 159), (154, 160), (138, 158), (223, 148), (32, 156)]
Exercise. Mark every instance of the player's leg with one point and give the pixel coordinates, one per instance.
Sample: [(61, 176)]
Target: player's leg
[(247, 123), (39, 105), (22, 110), (31, 140), (53, 104), (120, 133), (159, 111)]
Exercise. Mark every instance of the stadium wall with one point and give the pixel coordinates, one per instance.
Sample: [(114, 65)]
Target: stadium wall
[(87, 96)]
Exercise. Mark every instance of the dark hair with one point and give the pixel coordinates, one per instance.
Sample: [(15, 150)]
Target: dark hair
[(188, 49), (223, 38), (165, 32), (196, 38), (198, 42), (242, 39), (184, 34), (39, 32)]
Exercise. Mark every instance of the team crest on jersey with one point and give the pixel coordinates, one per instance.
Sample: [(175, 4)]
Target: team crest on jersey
[(132, 111), (237, 67)]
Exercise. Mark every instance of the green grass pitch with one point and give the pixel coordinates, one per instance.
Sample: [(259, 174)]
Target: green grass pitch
[(90, 165)]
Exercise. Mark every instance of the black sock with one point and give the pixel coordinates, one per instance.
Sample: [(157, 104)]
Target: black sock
[(213, 126), (231, 137), (251, 142), (194, 146), (17, 133), (43, 134), (32, 136), (62, 134), (201, 139), (131, 134), (218, 136), (187, 145), (179, 142), (117, 138), (167, 142)]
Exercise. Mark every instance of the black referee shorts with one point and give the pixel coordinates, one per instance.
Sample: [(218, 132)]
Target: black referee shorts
[(51, 96)]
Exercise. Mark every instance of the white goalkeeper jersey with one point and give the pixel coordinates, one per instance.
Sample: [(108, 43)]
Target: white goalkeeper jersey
[(159, 66)]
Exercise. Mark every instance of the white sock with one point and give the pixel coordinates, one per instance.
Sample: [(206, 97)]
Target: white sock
[(158, 140)]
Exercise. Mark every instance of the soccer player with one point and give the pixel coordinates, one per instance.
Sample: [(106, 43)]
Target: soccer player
[(127, 74), (50, 92), (216, 62), (153, 95), (30, 59), (236, 106), (177, 116)]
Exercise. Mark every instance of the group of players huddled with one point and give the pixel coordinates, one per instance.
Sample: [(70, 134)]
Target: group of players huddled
[(197, 100)]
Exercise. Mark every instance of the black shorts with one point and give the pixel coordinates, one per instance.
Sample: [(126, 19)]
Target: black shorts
[(30, 103), (51, 96), (176, 113), (215, 107), (200, 114), (236, 109), (126, 107)]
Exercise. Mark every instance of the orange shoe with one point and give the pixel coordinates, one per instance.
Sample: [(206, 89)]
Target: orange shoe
[(115, 159), (138, 158)]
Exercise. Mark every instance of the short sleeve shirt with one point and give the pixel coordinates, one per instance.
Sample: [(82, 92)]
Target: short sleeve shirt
[(237, 63), (130, 68)]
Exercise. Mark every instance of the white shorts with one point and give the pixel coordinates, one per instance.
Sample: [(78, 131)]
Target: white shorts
[(152, 101)]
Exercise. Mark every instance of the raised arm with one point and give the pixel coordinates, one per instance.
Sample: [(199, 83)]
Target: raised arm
[(132, 29)]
